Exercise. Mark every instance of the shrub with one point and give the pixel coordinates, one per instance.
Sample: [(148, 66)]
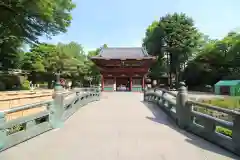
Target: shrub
[(25, 85), (11, 80), (227, 102), (2, 86), (16, 128), (224, 131)]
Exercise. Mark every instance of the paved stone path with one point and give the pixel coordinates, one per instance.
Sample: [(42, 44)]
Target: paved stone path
[(119, 127)]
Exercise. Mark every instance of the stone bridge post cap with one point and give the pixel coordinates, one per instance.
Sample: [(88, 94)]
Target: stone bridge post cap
[(2, 114), (53, 95), (182, 87), (182, 84)]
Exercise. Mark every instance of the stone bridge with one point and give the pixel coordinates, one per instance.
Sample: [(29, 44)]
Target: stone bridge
[(120, 126)]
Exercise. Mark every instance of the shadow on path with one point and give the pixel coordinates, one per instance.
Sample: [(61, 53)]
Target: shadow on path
[(160, 117)]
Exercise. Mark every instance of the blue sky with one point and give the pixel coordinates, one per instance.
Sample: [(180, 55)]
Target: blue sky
[(122, 23)]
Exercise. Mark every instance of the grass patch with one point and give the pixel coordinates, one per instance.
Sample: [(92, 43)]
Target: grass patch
[(232, 103), (227, 102), (16, 128), (224, 131)]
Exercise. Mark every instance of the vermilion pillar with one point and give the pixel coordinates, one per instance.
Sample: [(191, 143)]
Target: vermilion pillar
[(102, 81), (130, 86)]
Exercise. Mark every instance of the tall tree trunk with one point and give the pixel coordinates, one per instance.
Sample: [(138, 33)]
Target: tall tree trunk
[(170, 68), (177, 76)]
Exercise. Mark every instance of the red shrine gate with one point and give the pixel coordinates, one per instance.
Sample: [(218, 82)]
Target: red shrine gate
[(123, 69)]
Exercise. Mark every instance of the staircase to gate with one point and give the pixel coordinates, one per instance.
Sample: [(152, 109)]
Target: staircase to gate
[(87, 124)]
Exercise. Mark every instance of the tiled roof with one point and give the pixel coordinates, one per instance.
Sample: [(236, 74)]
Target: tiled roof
[(227, 83), (128, 53)]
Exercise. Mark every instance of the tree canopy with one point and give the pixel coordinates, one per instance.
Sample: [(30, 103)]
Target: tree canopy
[(190, 55), (24, 21), (218, 59), (27, 20), (173, 39), (182, 51), (69, 59)]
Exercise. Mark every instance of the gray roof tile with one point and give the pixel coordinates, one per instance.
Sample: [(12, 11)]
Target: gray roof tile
[(131, 52)]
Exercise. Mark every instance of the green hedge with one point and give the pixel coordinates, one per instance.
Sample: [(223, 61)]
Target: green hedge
[(227, 102), (224, 131), (15, 128), (25, 85), (10, 82), (2, 86)]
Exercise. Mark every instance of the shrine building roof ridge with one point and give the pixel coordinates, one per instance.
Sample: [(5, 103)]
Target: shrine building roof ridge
[(123, 53)]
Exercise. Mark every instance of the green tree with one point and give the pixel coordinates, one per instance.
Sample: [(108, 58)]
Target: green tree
[(39, 58), (70, 56), (33, 62), (218, 59), (27, 20), (153, 42), (173, 39), (69, 59), (93, 71), (54, 58), (11, 54), (180, 38), (23, 21)]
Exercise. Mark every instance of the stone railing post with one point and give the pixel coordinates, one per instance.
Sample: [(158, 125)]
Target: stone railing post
[(58, 85), (182, 110), (98, 91), (3, 131), (144, 92), (236, 133), (57, 110)]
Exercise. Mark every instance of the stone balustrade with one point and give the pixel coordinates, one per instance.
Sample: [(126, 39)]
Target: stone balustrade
[(194, 117), (57, 111)]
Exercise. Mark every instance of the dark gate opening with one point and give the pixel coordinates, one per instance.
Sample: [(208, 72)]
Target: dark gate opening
[(225, 90), (122, 84)]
